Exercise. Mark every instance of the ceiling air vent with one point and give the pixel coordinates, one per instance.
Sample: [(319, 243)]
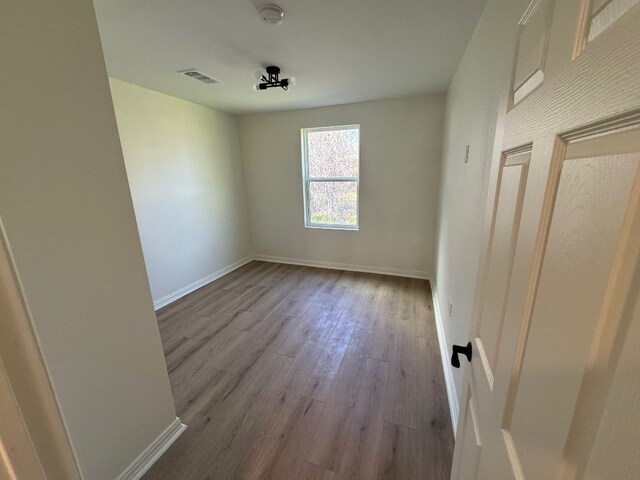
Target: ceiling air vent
[(196, 75)]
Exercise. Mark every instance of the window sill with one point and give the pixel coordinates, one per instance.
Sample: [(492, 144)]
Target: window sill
[(352, 228)]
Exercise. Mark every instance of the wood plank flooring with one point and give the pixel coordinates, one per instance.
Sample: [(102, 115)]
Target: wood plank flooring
[(284, 372)]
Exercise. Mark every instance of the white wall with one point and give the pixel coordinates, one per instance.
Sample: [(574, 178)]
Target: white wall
[(70, 225), (476, 103), (400, 142), (185, 173)]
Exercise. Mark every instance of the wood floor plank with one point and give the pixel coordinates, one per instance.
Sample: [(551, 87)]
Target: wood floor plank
[(407, 454), (321, 379), (403, 403), (332, 436), (243, 278), (309, 471), (351, 373), (197, 390), (199, 350), (422, 310), (279, 450), (315, 327), (185, 456), (287, 372), (350, 428), (384, 339)]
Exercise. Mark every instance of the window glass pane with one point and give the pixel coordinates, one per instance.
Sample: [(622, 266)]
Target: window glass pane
[(333, 153), (333, 203)]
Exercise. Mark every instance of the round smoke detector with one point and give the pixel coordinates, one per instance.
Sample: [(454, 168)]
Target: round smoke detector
[(271, 14)]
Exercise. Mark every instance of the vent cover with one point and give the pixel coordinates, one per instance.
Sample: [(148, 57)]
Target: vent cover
[(196, 75)]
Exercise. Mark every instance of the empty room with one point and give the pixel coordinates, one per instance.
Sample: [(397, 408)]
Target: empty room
[(320, 240)]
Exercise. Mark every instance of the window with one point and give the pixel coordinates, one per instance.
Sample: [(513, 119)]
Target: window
[(330, 176)]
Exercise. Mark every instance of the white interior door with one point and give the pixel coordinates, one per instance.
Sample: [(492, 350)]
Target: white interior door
[(554, 383)]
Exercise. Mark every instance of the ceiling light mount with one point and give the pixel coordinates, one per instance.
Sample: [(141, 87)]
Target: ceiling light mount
[(271, 14), (272, 80)]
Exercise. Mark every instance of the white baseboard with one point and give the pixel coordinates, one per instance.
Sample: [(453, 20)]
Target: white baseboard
[(454, 406), (152, 453), (344, 266), (172, 297)]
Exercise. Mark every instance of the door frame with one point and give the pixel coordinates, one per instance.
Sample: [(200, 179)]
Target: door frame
[(36, 419)]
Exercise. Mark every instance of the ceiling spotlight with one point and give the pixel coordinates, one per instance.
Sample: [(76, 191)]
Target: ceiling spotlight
[(271, 14), (272, 80)]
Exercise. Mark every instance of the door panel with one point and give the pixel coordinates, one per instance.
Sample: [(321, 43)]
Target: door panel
[(511, 183), (619, 432), (532, 47), (616, 316), (592, 199), (604, 12)]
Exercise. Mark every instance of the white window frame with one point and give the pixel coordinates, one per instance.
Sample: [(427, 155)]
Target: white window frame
[(306, 179)]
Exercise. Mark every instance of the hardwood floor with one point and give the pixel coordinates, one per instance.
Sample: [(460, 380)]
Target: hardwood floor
[(287, 372)]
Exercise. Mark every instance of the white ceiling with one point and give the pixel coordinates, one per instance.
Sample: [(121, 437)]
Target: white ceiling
[(339, 51)]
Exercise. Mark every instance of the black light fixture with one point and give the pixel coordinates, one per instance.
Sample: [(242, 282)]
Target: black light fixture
[(272, 80)]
